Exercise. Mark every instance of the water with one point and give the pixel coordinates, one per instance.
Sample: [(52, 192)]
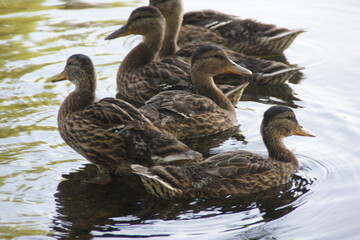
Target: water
[(43, 192)]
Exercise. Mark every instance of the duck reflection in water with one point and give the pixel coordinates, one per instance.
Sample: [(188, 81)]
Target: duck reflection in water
[(279, 95), (84, 208)]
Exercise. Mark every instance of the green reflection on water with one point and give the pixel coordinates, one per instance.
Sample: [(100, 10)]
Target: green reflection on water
[(28, 104), (17, 117), (12, 75), (20, 6), (17, 131), (12, 152), (18, 231), (15, 31)]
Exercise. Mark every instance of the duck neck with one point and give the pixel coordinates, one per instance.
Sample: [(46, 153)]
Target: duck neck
[(144, 53), (205, 86), (80, 98), (277, 149), (173, 24)]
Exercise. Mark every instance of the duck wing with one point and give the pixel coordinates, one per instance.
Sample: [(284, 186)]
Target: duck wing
[(235, 164), (206, 18), (172, 73), (113, 134)]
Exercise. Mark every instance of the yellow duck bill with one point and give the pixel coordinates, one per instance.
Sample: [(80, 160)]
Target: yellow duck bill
[(237, 69), (60, 77), (121, 32), (300, 131)]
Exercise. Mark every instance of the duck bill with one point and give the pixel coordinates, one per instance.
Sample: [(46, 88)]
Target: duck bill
[(300, 131), (121, 32), (60, 77), (237, 69)]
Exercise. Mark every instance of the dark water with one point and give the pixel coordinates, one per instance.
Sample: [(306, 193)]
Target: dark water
[(43, 188)]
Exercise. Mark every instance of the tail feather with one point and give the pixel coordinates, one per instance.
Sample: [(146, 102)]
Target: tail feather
[(280, 42), (189, 156), (286, 34), (154, 184), (277, 77), (235, 94), (166, 149)]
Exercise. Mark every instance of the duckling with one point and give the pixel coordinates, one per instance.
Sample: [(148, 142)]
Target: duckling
[(142, 74), (265, 71), (111, 133), (232, 173), (241, 35), (188, 115)]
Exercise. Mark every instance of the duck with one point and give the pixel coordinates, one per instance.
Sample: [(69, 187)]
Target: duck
[(247, 36), (266, 72), (187, 115), (140, 75), (239, 173), (143, 73), (111, 133)]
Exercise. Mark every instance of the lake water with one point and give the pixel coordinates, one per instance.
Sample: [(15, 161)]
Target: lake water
[(43, 192)]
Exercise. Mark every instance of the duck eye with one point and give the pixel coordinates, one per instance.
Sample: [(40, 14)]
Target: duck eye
[(290, 117)]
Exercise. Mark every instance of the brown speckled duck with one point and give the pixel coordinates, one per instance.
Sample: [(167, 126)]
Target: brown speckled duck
[(265, 71), (187, 115), (232, 173), (242, 35), (111, 133), (142, 74)]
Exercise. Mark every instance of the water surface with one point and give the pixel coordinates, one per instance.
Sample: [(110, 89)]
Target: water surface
[(43, 192)]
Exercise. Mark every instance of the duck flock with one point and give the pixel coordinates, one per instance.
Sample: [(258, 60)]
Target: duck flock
[(182, 82)]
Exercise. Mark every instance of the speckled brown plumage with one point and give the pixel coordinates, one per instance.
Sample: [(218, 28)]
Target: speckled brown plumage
[(238, 172), (206, 17), (188, 115), (111, 133), (142, 74), (243, 35), (264, 71)]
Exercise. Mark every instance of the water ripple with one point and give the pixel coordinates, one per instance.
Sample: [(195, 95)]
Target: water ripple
[(319, 203)]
